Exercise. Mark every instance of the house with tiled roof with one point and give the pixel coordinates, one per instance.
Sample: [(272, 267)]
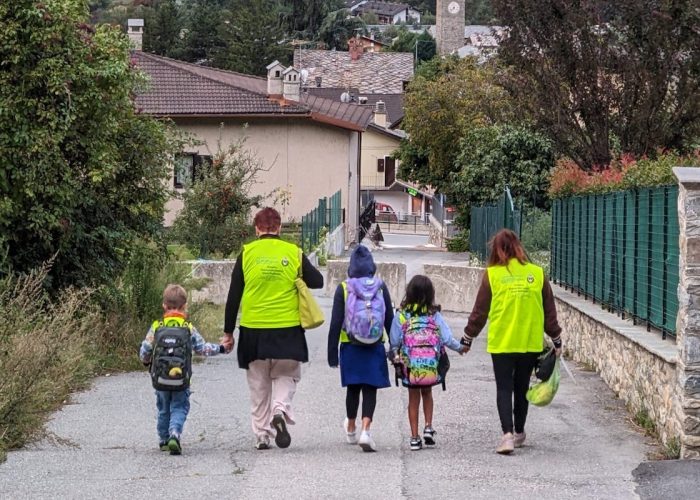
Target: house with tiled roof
[(369, 72), (386, 12), (310, 145)]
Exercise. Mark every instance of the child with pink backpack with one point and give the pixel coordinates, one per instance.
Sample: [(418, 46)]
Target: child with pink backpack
[(362, 312), (418, 337)]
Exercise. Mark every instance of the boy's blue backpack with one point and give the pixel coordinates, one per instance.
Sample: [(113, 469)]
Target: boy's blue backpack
[(424, 362), (364, 310), (171, 366)]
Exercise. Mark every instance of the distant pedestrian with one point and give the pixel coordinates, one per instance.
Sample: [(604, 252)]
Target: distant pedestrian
[(362, 313), (419, 335), (517, 300), (271, 343), (167, 351)]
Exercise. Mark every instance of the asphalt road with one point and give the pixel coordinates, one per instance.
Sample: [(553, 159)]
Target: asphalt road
[(103, 443)]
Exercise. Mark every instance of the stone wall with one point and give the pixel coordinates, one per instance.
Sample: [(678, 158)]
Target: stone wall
[(218, 272), (393, 274), (638, 365), (455, 285)]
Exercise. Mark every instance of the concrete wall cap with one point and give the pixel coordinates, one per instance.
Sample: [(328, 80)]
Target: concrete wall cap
[(687, 175)]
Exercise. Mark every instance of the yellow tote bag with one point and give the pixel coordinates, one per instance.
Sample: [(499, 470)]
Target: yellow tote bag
[(309, 312)]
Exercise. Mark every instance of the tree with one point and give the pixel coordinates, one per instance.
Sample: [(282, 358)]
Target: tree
[(490, 158), (214, 219), (202, 33), (447, 98), (479, 12), (423, 45), (338, 27), (83, 174), (595, 73), (252, 39), (163, 33), (305, 17)]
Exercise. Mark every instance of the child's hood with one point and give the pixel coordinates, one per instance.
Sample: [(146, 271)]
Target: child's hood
[(361, 263)]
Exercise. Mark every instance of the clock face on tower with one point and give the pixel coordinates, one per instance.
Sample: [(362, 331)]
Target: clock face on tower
[(453, 7)]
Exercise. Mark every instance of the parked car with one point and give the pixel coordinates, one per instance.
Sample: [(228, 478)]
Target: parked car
[(384, 213)]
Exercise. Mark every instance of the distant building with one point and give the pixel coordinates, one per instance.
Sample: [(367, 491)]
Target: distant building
[(369, 72), (386, 12)]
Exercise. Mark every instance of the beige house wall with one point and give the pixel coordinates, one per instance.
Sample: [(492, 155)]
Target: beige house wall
[(375, 145), (309, 159)]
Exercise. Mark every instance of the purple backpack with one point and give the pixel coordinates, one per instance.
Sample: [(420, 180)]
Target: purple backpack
[(364, 310)]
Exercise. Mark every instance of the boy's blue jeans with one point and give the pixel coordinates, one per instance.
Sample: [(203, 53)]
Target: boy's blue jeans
[(173, 407)]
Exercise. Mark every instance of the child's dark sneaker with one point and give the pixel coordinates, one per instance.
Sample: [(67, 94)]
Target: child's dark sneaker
[(282, 438), (174, 445), (416, 444), (429, 435), (163, 446)]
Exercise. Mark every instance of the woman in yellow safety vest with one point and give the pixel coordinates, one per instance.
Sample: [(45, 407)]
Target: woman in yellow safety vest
[(271, 341), (516, 298)]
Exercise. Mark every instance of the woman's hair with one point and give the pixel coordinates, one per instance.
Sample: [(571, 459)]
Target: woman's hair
[(174, 297), (268, 220), (505, 245), (420, 295)]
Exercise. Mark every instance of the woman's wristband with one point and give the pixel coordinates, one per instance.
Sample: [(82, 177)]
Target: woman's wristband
[(557, 342), (466, 341)]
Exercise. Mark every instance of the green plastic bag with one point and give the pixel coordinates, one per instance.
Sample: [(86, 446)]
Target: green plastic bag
[(542, 394)]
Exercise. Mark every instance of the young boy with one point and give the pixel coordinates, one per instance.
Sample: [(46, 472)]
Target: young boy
[(167, 351)]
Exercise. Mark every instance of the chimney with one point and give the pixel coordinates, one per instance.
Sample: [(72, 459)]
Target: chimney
[(355, 48), (319, 80), (135, 32), (291, 84), (274, 78), (380, 114)]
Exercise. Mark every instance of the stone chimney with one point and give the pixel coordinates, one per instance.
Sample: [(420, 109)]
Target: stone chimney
[(274, 78), (291, 85), (380, 114), (355, 48), (135, 32)]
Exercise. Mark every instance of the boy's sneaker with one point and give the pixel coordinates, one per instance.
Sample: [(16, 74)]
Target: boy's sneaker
[(163, 445), (416, 444), (282, 438), (262, 443), (350, 437), (366, 442), (174, 445), (519, 439), (429, 435)]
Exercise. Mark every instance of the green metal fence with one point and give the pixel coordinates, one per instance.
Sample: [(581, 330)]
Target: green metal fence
[(621, 249), (488, 220), (327, 215)]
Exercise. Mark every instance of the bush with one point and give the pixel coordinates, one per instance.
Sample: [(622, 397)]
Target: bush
[(626, 172), (43, 348), (214, 219), (536, 230), (458, 243)]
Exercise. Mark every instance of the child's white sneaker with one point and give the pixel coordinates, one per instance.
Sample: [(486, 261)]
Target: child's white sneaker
[(366, 442), (350, 437)]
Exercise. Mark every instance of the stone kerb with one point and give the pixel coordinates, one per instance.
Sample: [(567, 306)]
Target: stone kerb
[(392, 273), (218, 272), (455, 285), (688, 321)]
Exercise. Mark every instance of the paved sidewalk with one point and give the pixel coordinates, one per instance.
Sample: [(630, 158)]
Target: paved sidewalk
[(103, 444)]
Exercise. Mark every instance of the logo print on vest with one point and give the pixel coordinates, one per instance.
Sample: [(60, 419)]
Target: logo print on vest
[(285, 262), (530, 279)]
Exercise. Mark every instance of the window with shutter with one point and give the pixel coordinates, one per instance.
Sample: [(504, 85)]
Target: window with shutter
[(380, 164)]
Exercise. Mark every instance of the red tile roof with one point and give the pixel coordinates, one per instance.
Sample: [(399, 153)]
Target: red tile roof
[(178, 88)]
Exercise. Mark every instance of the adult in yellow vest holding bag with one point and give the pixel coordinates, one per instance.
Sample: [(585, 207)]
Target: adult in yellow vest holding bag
[(271, 341), (517, 300)]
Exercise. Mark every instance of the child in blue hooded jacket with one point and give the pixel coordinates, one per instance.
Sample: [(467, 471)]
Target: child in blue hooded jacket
[(363, 368)]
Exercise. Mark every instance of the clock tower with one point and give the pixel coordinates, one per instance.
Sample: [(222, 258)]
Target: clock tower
[(449, 25)]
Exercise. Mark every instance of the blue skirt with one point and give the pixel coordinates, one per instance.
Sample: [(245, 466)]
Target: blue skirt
[(363, 365)]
